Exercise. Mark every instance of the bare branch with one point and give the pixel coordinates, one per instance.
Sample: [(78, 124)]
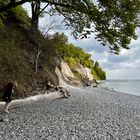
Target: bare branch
[(43, 9)]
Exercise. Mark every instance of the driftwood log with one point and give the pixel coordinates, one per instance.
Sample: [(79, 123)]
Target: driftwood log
[(86, 82), (47, 87)]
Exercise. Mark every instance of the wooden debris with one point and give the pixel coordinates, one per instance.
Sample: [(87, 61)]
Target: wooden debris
[(48, 87)]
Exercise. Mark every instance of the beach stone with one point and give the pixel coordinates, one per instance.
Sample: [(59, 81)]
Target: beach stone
[(4, 116), (88, 114), (4, 119)]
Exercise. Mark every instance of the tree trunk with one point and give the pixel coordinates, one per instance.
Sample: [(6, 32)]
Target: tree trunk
[(35, 5)]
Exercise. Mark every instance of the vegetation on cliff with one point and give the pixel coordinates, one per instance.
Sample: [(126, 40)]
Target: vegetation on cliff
[(75, 55), (18, 51)]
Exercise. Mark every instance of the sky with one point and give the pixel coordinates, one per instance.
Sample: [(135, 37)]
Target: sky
[(126, 65)]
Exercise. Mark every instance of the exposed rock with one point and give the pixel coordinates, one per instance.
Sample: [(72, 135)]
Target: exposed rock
[(88, 73), (65, 75), (66, 71), (80, 69), (62, 79), (75, 82), (85, 72)]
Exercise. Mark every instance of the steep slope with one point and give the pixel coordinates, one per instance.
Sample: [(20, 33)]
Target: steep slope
[(18, 52)]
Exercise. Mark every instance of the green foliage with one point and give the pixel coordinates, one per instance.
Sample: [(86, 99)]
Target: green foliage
[(1, 23), (17, 60), (68, 51), (71, 62), (20, 13), (114, 22), (95, 75), (17, 13), (75, 55), (99, 71), (2, 15), (4, 2), (60, 39), (11, 61)]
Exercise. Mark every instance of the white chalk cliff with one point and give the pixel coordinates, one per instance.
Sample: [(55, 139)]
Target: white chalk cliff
[(65, 70), (65, 73)]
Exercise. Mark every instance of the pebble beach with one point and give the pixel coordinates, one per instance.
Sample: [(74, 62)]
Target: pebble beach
[(88, 114)]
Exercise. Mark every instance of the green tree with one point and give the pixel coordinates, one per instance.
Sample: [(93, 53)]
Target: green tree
[(99, 71), (60, 39), (113, 22)]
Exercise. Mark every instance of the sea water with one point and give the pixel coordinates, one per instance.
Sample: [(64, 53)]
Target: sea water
[(125, 86)]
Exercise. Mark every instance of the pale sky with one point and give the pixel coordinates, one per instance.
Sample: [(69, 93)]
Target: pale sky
[(123, 66)]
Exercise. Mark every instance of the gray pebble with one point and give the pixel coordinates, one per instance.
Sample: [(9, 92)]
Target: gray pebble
[(88, 114)]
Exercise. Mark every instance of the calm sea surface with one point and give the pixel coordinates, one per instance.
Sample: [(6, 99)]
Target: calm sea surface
[(125, 86)]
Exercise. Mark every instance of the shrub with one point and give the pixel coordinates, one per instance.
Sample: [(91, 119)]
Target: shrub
[(20, 13), (71, 62)]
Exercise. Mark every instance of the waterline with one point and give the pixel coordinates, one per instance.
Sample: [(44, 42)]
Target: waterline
[(125, 86)]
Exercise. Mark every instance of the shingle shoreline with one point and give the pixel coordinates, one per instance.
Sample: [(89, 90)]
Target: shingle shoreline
[(89, 114)]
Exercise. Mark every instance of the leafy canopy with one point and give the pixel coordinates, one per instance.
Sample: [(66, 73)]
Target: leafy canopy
[(113, 21)]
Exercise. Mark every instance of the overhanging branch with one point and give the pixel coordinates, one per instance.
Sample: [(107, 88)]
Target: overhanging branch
[(12, 4)]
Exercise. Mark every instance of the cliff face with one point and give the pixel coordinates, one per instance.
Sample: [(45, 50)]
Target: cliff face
[(66, 75), (85, 72), (66, 71), (88, 73)]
